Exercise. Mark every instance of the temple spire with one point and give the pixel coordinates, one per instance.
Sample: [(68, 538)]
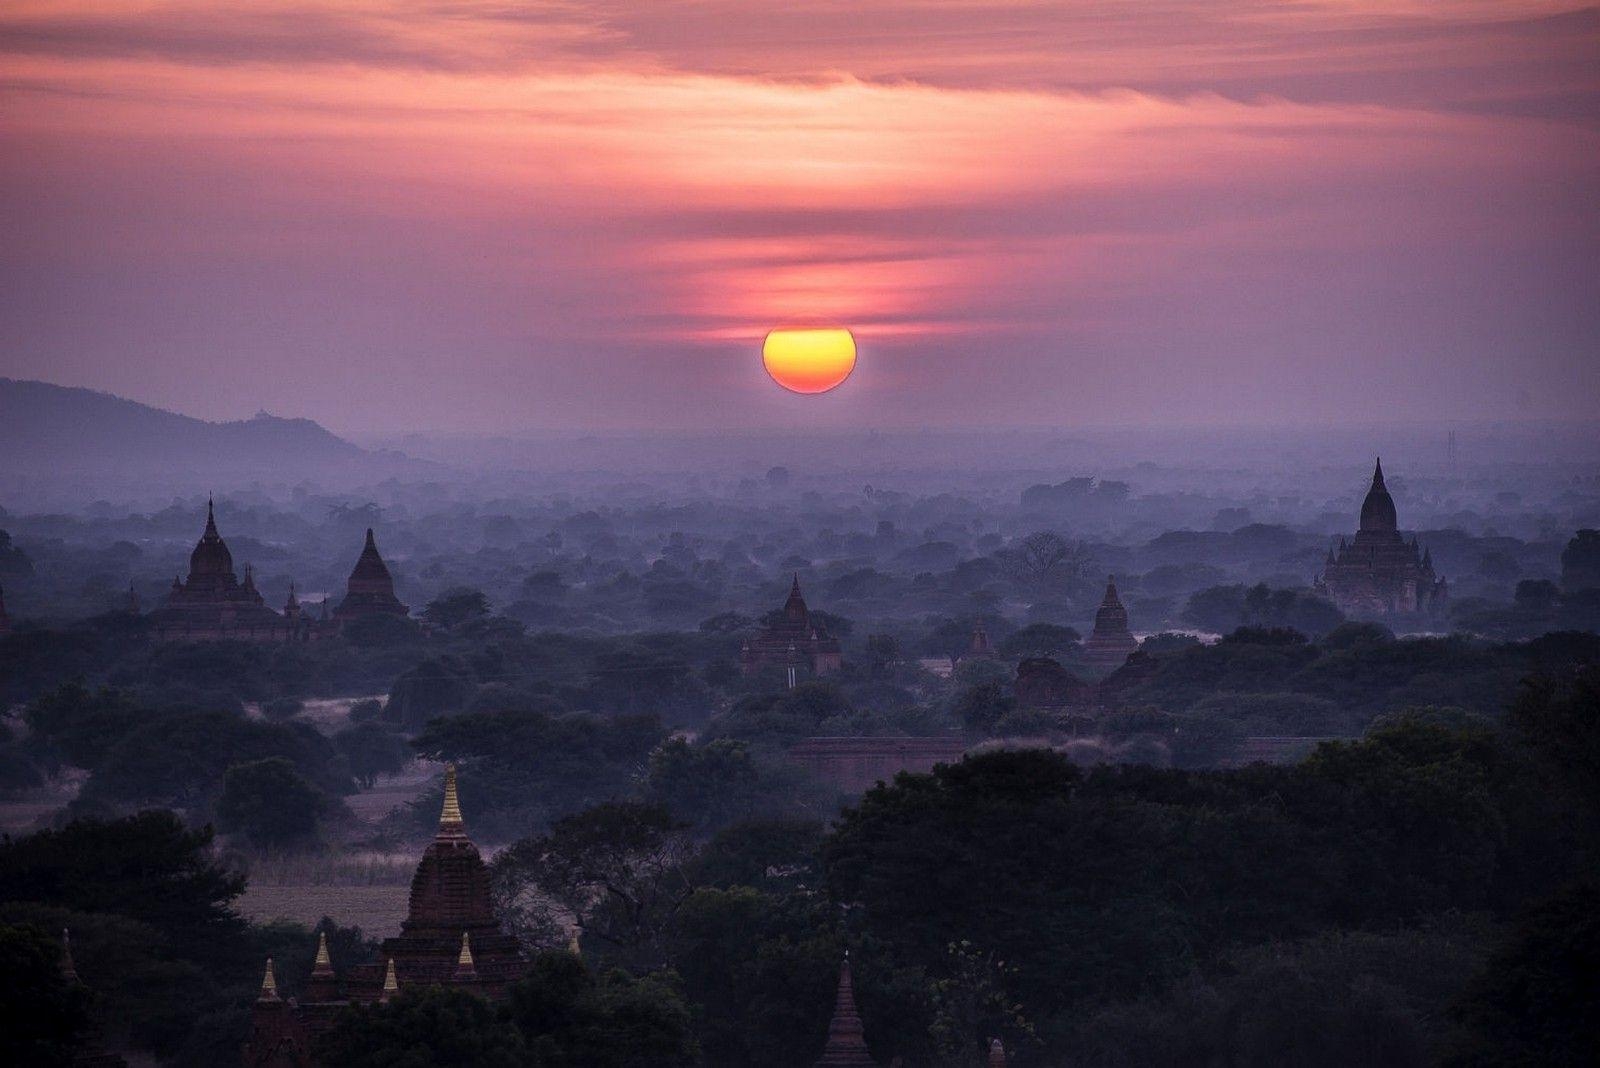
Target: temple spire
[(269, 984), (465, 969), (1377, 475), (323, 968), (391, 983), (451, 825), (372, 545), (846, 1047), (997, 1053)]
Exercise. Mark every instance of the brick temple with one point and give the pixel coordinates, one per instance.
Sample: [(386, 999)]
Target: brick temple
[(213, 604), (1111, 641), (1379, 572), (450, 937), (794, 639)]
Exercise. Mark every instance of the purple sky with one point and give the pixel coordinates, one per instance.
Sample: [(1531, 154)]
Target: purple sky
[(496, 216)]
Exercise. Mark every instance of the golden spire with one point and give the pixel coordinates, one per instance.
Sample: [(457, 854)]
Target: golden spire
[(269, 984), (391, 985), (465, 959), (574, 945), (450, 821), (324, 963)]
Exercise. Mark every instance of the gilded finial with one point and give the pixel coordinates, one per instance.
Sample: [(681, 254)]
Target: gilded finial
[(269, 984), (465, 959), (574, 944), (391, 984), (450, 820), (324, 963)]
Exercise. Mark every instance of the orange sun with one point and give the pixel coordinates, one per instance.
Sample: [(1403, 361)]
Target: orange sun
[(809, 361)]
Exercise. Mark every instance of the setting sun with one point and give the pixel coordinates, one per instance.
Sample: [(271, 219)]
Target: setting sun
[(809, 361)]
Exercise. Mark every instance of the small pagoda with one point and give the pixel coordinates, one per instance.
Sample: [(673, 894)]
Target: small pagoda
[(1111, 641)]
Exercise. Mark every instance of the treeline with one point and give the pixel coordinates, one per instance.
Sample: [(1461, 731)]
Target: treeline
[(1421, 896)]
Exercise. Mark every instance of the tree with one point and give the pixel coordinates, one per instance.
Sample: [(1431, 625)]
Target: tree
[(982, 706), (1046, 559), (615, 869), (708, 785), (41, 1013), (882, 651), (1040, 639), (572, 1018), (81, 723), (424, 1027), (1537, 999), (371, 750), (147, 867), (456, 606), (1580, 562), (269, 803), (1536, 595)]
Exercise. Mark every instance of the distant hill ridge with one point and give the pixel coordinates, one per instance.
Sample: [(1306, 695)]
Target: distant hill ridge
[(45, 425)]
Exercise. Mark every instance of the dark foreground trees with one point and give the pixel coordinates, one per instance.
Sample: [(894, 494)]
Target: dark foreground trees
[(562, 1015)]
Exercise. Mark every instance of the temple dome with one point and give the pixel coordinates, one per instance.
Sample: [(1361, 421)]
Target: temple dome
[(1377, 511)]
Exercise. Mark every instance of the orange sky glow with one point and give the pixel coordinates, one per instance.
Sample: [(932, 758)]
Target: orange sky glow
[(1043, 202)]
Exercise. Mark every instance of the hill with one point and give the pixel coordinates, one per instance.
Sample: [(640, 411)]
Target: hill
[(59, 429)]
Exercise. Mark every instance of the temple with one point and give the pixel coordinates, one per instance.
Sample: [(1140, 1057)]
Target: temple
[(370, 590), (213, 605), (1111, 641), (793, 639), (450, 937), (979, 648), (1380, 573), (846, 1046)]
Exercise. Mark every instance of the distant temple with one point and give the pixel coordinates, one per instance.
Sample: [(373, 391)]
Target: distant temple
[(213, 605), (450, 937), (1380, 573), (846, 1047), (979, 648), (1044, 684), (1111, 641), (793, 639), (370, 590)]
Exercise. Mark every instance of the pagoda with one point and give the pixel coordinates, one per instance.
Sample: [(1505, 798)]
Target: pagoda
[(450, 937), (370, 590), (793, 639), (213, 605), (1380, 572), (846, 1046), (1111, 641)]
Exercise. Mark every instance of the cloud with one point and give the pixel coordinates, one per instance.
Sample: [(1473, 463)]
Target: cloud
[(492, 190)]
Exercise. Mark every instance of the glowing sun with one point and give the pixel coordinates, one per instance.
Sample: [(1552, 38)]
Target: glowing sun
[(809, 361)]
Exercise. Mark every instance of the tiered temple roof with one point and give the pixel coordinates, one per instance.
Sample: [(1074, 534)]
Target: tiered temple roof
[(1379, 572), (847, 1046), (1111, 641), (370, 590), (794, 639), (212, 604), (450, 937)]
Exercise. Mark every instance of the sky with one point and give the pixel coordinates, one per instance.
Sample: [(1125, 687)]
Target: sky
[(508, 216)]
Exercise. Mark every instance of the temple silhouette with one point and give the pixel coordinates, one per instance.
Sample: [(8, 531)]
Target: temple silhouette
[(1379, 572), (213, 604), (794, 639), (450, 937)]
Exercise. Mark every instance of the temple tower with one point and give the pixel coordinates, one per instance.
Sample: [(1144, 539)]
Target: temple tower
[(1111, 641), (846, 1048), (1379, 572), (370, 589)]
